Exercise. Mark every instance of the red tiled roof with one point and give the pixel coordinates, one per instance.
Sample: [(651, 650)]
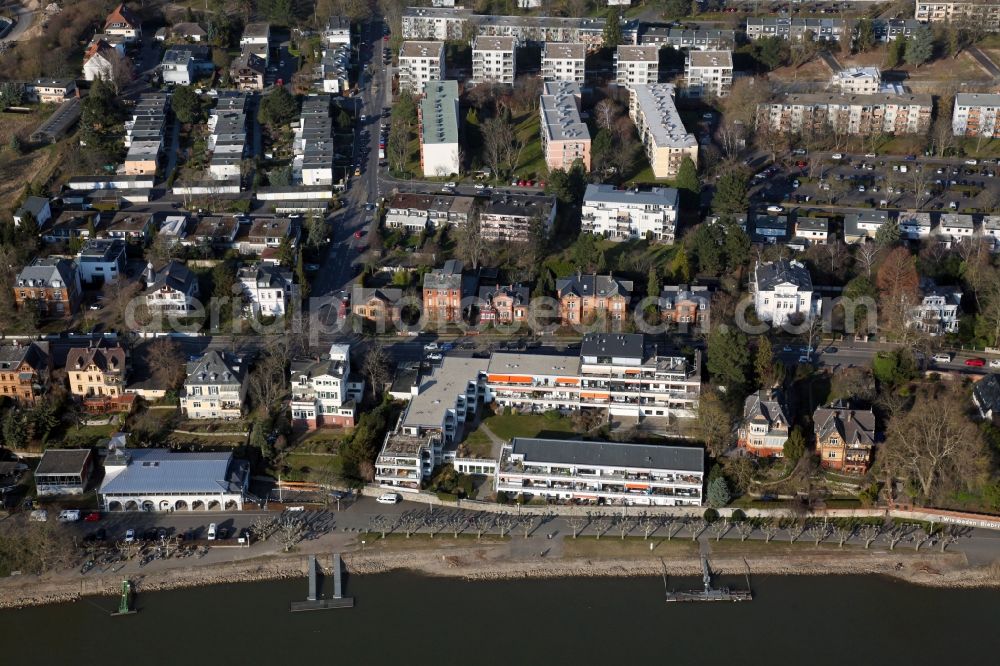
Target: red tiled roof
[(122, 14)]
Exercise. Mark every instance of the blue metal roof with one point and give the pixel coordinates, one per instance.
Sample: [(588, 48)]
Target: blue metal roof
[(152, 471)]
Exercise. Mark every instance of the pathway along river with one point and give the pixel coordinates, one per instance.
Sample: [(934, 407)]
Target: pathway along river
[(401, 618)]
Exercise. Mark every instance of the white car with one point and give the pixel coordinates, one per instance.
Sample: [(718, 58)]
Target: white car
[(129, 535), (389, 498), (942, 358), (870, 156), (480, 186), (837, 156), (451, 184), (434, 356), (431, 346), (804, 359), (775, 209), (972, 162), (995, 363)]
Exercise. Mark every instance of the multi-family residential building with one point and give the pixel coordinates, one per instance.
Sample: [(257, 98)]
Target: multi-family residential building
[(101, 260), (513, 217), (266, 235), (444, 23), (565, 137), (379, 305), (846, 114), (504, 304), (860, 226), (97, 375), (70, 225), (984, 13), (130, 227), (335, 69), (939, 309), (783, 290), (415, 212), (584, 297), (708, 73), (685, 306), (266, 289), (953, 227), (637, 65), (991, 231), (845, 438), (564, 62), (420, 62), (227, 139), (664, 34), (438, 118), (50, 285), (325, 393), (256, 40), (660, 128), (796, 29), (215, 387), (124, 23), (50, 91), (494, 59), (246, 72), (24, 371), (914, 225), (444, 288), (212, 232), (812, 230), (538, 30), (337, 31), (621, 215), (619, 374), (173, 288), (765, 425), (887, 30), (312, 143), (607, 473), (976, 114), (183, 64), (857, 80)]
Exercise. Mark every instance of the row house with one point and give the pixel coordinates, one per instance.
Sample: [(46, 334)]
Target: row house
[(227, 140), (797, 29), (101, 260), (97, 375), (335, 69), (939, 309), (415, 212), (494, 60), (50, 285), (564, 62), (325, 393), (661, 130), (337, 32), (312, 143), (665, 34), (976, 115), (708, 74), (621, 215), (71, 225), (215, 232), (145, 133), (606, 473), (983, 13), (783, 291), (266, 289), (812, 230), (765, 426), (130, 227), (565, 137), (847, 114), (618, 374), (266, 234), (438, 120), (845, 438), (215, 387), (504, 304), (420, 62), (24, 372), (685, 306), (171, 289), (584, 297), (510, 217), (378, 305), (888, 30)]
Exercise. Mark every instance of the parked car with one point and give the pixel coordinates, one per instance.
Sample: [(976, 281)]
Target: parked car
[(431, 346), (434, 356), (775, 209), (942, 358), (389, 498), (995, 362), (92, 517), (975, 362), (837, 156), (129, 535)]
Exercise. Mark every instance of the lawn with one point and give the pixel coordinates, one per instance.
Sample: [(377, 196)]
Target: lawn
[(508, 426), (312, 467), (532, 163), (89, 435)]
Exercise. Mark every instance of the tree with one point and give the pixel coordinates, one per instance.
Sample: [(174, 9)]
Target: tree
[(11, 94), (850, 384), (612, 30), (186, 104), (315, 231), (736, 245), (707, 243), (732, 193), (888, 234), (258, 440), (771, 52), (277, 108), (764, 363), (729, 359), (718, 493), (680, 266), (865, 30), (223, 278), (300, 275), (715, 424), (898, 284), (376, 367), (501, 146), (795, 446), (687, 181), (166, 362), (653, 284), (120, 70), (267, 381), (895, 51), (605, 114), (920, 47)]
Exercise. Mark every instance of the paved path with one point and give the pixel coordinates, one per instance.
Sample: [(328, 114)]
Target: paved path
[(984, 61)]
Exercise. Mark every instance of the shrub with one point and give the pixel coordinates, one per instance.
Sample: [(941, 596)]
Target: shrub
[(711, 515), (739, 516)]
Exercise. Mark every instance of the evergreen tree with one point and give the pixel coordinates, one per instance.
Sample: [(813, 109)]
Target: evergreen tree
[(186, 104), (888, 234), (894, 52), (718, 493), (866, 35), (920, 47), (737, 245), (680, 266), (286, 255), (258, 440), (764, 362), (277, 108), (687, 183), (795, 446), (612, 30), (707, 245), (300, 274), (653, 284), (732, 194), (729, 359)]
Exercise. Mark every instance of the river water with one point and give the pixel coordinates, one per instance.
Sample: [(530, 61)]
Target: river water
[(402, 618)]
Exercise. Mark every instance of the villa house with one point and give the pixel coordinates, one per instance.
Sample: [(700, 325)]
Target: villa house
[(765, 425), (845, 438)]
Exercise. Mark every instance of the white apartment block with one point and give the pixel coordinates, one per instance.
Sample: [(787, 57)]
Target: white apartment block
[(976, 114), (494, 60), (783, 290), (620, 215), (985, 13), (564, 62), (439, 23), (420, 62), (857, 80), (709, 73), (939, 309), (663, 135), (609, 473), (439, 152), (565, 137), (637, 65), (883, 113)]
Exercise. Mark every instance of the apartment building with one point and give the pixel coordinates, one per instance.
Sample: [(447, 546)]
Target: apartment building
[(325, 392), (846, 114), (101, 260), (504, 304), (97, 374), (664, 34), (443, 289), (796, 29), (976, 114), (516, 218), (144, 134), (783, 290), (985, 13), (420, 62), (438, 118), (584, 297), (312, 143), (337, 32), (540, 30), (708, 73), (564, 62), (266, 289), (660, 128), (857, 81), (246, 72), (845, 438), (620, 215), (765, 425), (494, 59), (24, 372), (607, 473), (256, 39), (637, 65), (379, 305), (565, 137), (50, 285), (436, 23), (215, 387), (415, 212), (619, 374), (183, 64)]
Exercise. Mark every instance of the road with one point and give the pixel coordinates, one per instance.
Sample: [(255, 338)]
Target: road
[(25, 18)]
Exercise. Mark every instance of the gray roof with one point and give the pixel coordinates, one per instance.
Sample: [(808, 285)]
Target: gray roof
[(45, 271), (267, 276), (35, 354), (778, 272), (33, 205), (630, 345), (518, 292), (855, 426), (591, 285), (977, 99), (63, 461), (214, 368), (672, 294), (160, 471), (611, 454), (560, 116), (986, 394), (520, 205), (604, 193), (663, 122), (447, 277), (768, 405), (439, 112), (174, 275)]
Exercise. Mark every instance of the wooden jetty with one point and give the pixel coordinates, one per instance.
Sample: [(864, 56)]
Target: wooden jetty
[(313, 600), (709, 593)]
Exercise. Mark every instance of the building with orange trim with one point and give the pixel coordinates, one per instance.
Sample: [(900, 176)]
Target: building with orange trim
[(845, 438), (765, 425), (24, 372)]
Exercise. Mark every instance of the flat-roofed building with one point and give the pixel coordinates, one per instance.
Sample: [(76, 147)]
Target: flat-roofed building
[(637, 65), (709, 73), (513, 217), (564, 62), (983, 13), (420, 62), (494, 59), (312, 144), (565, 137), (620, 215), (861, 115), (660, 128), (438, 117), (438, 23), (63, 472), (415, 212), (607, 473), (50, 91), (976, 114), (857, 80)]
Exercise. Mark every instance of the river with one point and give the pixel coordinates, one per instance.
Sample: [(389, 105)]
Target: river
[(404, 618)]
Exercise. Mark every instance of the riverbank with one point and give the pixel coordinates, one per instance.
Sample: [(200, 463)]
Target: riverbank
[(493, 560)]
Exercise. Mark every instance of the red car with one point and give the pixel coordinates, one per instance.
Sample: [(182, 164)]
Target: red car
[(802, 164), (357, 234), (522, 183), (976, 362), (92, 517)]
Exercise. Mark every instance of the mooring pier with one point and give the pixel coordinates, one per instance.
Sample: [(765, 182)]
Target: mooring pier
[(709, 593), (313, 600)]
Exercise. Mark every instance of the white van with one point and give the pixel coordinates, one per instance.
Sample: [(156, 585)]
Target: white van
[(942, 358), (211, 532), (389, 498), (69, 516)]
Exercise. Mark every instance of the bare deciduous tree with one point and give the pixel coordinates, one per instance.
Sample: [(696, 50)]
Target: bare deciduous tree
[(501, 146), (376, 367), (601, 523), (625, 525), (844, 531), (769, 528), (819, 530), (576, 523), (648, 524), (605, 113), (720, 527), (166, 363), (290, 532), (745, 529), (505, 523), (869, 533), (794, 528)]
